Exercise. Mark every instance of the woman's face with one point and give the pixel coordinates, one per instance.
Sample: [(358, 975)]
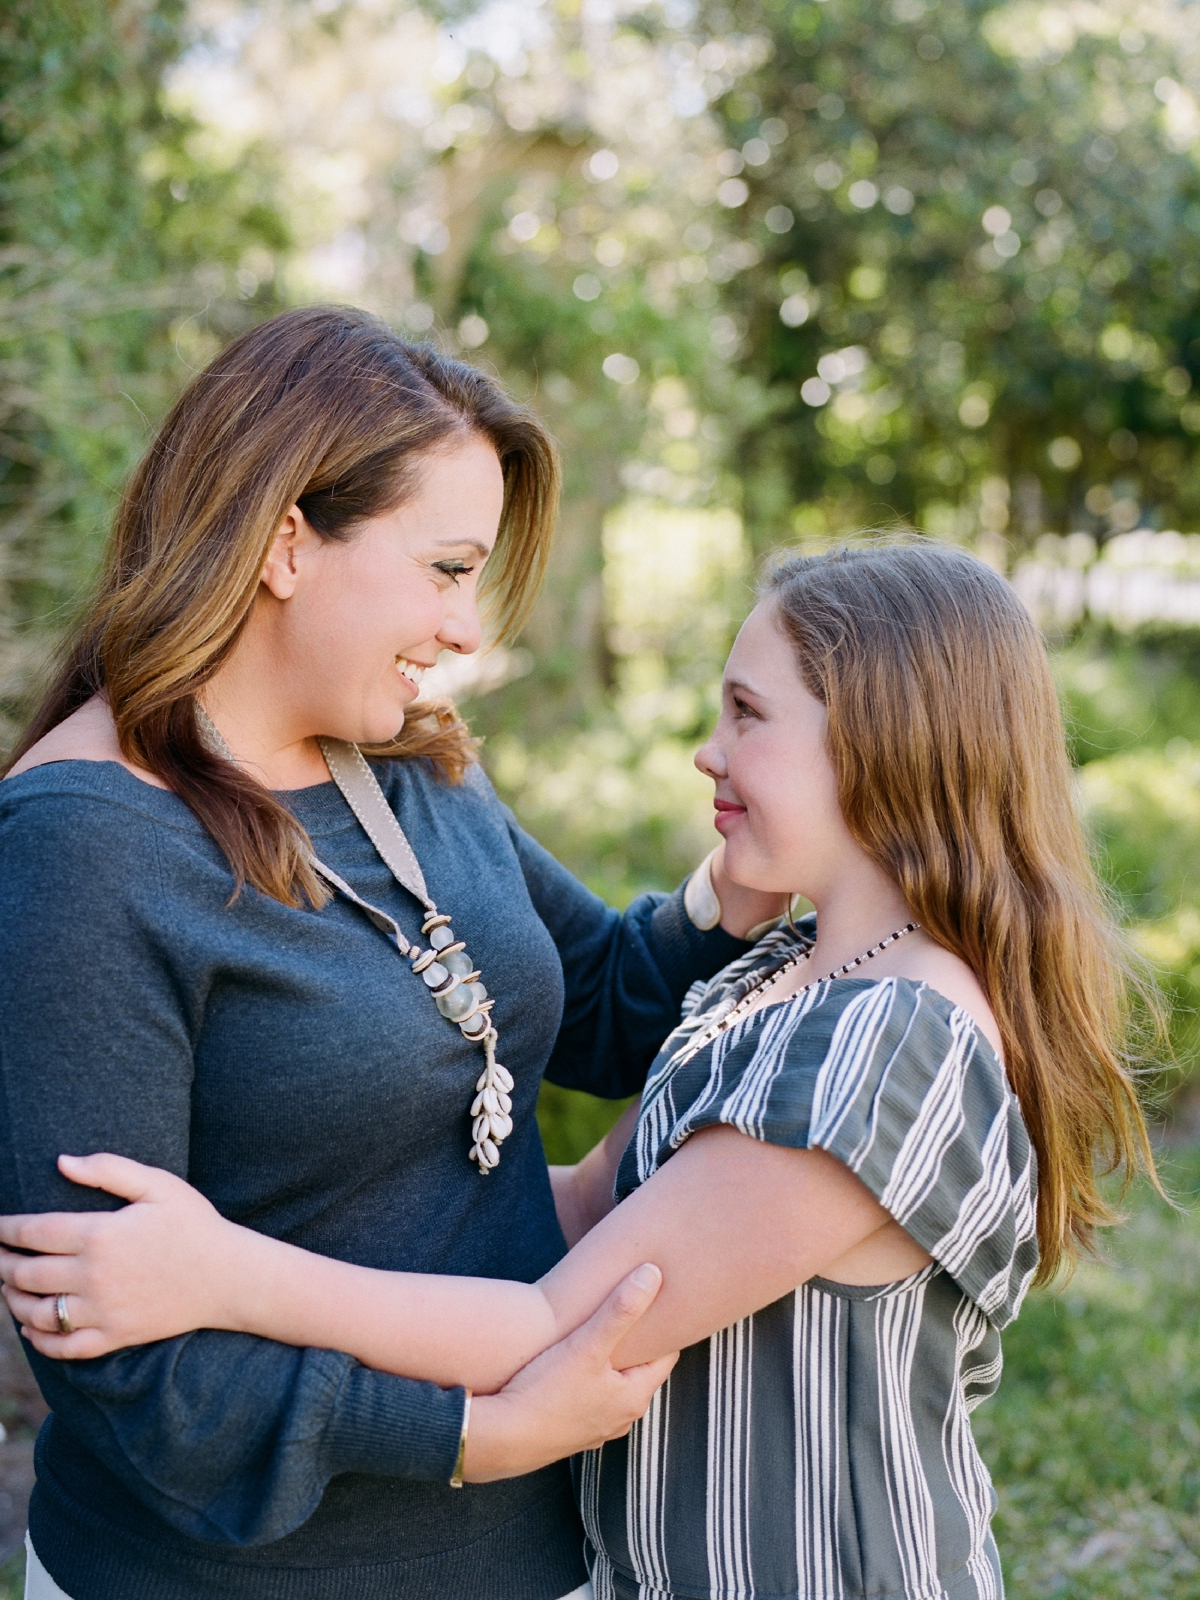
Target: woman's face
[(360, 619), (776, 790)]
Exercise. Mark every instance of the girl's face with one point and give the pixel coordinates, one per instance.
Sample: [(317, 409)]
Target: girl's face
[(361, 619), (776, 790)]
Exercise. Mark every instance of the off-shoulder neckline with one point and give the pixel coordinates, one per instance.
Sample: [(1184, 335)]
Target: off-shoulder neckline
[(951, 1007)]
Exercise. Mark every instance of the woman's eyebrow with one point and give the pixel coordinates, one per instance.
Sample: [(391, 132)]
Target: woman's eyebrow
[(471, 544)]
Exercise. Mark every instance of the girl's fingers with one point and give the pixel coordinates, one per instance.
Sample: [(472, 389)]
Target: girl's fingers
[(40, 1274)]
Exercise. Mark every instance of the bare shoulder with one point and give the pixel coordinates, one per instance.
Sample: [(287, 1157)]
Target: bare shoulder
[(929, 963), (88, 734)]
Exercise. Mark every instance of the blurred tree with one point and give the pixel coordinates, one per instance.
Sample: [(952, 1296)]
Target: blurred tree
[(111, 224), (978, 305)]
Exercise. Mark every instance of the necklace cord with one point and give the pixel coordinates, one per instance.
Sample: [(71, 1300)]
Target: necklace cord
[(745, 1005)]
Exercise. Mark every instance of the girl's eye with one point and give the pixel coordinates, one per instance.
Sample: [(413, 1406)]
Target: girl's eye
[(742, 709)]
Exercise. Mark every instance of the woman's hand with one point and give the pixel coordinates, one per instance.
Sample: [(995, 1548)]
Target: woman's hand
[(149, 1271), (571, 1397), (742, 909)]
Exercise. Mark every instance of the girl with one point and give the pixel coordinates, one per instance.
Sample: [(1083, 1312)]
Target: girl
[(857, 1149)]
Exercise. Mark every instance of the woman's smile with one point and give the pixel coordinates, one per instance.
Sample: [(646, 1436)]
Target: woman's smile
[(411, 672)]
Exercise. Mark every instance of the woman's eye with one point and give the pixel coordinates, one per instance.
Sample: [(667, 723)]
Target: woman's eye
[(453, 569), (742, 709)]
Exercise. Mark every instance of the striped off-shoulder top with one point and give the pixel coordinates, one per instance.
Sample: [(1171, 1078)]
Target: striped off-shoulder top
[(821, 1449)]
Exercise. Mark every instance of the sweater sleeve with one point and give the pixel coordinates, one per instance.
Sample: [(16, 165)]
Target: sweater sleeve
[(227, 1437), (625, 975)]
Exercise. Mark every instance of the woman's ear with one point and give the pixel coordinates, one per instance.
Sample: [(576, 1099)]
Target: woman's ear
[(280, 571)]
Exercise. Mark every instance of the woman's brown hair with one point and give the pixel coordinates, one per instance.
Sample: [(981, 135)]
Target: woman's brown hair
[(947, 739), (328, 409)]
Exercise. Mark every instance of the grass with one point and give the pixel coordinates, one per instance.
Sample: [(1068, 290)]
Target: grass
[(12, 1577), (1094, 1436)]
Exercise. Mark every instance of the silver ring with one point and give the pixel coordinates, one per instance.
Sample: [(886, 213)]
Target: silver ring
[(60, 1311)]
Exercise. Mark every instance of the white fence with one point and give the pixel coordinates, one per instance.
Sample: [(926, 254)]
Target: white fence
[(1135, 579)]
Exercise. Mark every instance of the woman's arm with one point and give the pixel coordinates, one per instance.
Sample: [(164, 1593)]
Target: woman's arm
[(583, 1194), (625, 974)]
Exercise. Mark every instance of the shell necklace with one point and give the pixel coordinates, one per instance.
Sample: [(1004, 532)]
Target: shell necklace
[(444, 966), (755, 993)]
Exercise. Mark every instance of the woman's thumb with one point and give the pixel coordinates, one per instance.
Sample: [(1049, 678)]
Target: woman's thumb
[(628, 1302)]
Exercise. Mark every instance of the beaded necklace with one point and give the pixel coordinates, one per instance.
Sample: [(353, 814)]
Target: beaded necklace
[(444, 967), (747, 1003)]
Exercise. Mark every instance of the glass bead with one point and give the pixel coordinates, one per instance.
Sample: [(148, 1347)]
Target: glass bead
[(454, 1005), (439, 938), (435, 975), (458, 962), (478, 993)]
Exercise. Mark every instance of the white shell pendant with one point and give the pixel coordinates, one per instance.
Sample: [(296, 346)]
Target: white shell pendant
[(453, 980)]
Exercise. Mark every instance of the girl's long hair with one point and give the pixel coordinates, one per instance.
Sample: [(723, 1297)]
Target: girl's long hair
[(328, 409), (947, 739)]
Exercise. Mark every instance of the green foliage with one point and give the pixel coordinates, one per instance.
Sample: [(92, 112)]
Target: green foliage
[(571, 1122), (110, 228), (1121, 695), (1092, 1438), (992, 211)]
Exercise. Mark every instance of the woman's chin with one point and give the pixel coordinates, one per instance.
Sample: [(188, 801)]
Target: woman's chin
[(383, 728)]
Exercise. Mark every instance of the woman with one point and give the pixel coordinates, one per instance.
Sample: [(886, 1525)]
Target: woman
[(894, 1107), (201, 966)]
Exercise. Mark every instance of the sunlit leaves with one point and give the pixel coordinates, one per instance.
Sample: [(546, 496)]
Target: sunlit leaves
[(1015, 195)]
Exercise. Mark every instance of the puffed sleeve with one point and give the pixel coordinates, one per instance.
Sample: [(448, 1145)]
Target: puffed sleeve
[(898, 1084)]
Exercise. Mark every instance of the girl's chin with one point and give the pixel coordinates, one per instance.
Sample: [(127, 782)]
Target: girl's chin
[(749, 871)]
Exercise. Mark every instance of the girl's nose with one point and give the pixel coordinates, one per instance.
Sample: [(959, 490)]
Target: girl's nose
[(710, 759)]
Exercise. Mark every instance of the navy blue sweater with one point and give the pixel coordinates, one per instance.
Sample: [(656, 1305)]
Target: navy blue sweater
[(288, 1064)]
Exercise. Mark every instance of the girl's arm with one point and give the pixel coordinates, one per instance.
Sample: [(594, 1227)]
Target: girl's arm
[(732, 1222)]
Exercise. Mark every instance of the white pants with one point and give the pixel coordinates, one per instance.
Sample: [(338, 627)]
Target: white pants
[(39, 1585)]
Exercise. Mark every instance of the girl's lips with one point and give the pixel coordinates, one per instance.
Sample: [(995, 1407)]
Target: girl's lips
[(727, 815)]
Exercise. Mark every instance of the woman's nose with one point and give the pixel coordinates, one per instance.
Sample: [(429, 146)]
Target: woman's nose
[(461, 629)]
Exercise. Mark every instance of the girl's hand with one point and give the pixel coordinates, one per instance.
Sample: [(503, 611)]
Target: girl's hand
[(571, 1397), (149, 1271)]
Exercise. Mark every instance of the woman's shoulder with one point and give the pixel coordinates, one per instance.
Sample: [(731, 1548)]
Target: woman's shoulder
[(90, 829), (419, 774)]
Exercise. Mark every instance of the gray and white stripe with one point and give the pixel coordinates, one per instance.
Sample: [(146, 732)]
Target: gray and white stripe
[(822, 1448)]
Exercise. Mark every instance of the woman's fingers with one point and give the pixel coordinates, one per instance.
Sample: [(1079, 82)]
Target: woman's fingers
[(61, 1233), (82, 1346), (641, 1385), (40, 1274), (39, 1311), (628, 1302)]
